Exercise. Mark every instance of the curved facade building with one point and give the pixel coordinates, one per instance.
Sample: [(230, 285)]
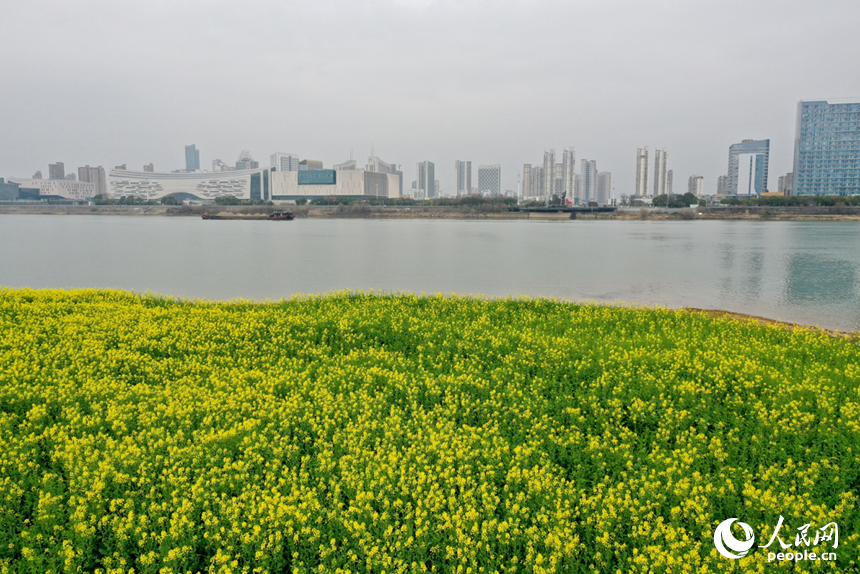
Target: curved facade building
[(253, 184)]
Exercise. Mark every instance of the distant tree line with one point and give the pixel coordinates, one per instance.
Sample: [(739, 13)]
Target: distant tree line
[(796, 200), (685, 200), (468, 201), (232, 200), (472, 201), (135, 200)]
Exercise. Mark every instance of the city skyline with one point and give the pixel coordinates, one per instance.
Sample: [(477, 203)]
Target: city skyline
[(505, 103)]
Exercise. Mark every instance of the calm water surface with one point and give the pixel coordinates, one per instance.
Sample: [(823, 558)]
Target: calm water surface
[(803, 272)]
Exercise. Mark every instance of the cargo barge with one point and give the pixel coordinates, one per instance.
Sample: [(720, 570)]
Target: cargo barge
[(276, 216)]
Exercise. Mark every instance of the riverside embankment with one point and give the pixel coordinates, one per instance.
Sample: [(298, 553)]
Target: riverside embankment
[(831, 213)]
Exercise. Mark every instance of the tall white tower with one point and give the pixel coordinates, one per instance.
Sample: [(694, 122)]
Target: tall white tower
[(661, 157), (548, 171), (642, 171), (463, 171), (568, 162), (588, 186)]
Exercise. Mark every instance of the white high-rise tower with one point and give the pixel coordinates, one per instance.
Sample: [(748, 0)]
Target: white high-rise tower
[(548, 171), (568, 162), (661, 157), (642, 171), (463, 171)]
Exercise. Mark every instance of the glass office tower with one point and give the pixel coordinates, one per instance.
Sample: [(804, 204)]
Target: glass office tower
[(752, 180), (827, 148)]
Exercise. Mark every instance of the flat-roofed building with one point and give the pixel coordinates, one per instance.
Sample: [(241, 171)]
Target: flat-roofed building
[(641, 172), (748, 165), (786, 184), (9, 190), (192, 158), (56, 170), (285, 161), (426, 180), (696, 185), (288, 185), (661, 180), (96, 176), (60, 188), (827, 148), (604, 187), (588, 181), (463, 175), (377, 165), (490, 180), (251, 184)]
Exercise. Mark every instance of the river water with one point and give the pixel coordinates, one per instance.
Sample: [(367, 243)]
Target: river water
[(802, 272)]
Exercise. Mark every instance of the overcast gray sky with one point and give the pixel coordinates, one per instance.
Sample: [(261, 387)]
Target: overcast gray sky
[(111, 82)]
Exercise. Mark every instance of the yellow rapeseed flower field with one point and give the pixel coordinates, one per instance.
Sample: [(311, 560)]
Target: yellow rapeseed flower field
[(400, 434)]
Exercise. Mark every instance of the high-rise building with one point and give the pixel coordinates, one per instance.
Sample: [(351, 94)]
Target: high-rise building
[(96, 176), (56, 170), (192, 158), (149, 168), (218, 165), (120, 167), (490, 180), (558, 179), (670, 176), (748, 167), (37, 175), (827, 148), (696, 185), (245, 161), (641, 171), (71, 177), (463, 172), (722, 184), (399, 173), (548, 173), (661, 157), (527, 179), (285, 161), (588, 184), (306, 165), (426, 179), (536, 182), (568, 169), (377, 165), (786, 184), (604, 187)]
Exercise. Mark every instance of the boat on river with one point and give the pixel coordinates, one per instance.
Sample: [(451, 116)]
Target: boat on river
[(275, 216)]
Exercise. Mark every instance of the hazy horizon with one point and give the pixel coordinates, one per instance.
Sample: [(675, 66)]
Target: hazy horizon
[(104, 83)]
